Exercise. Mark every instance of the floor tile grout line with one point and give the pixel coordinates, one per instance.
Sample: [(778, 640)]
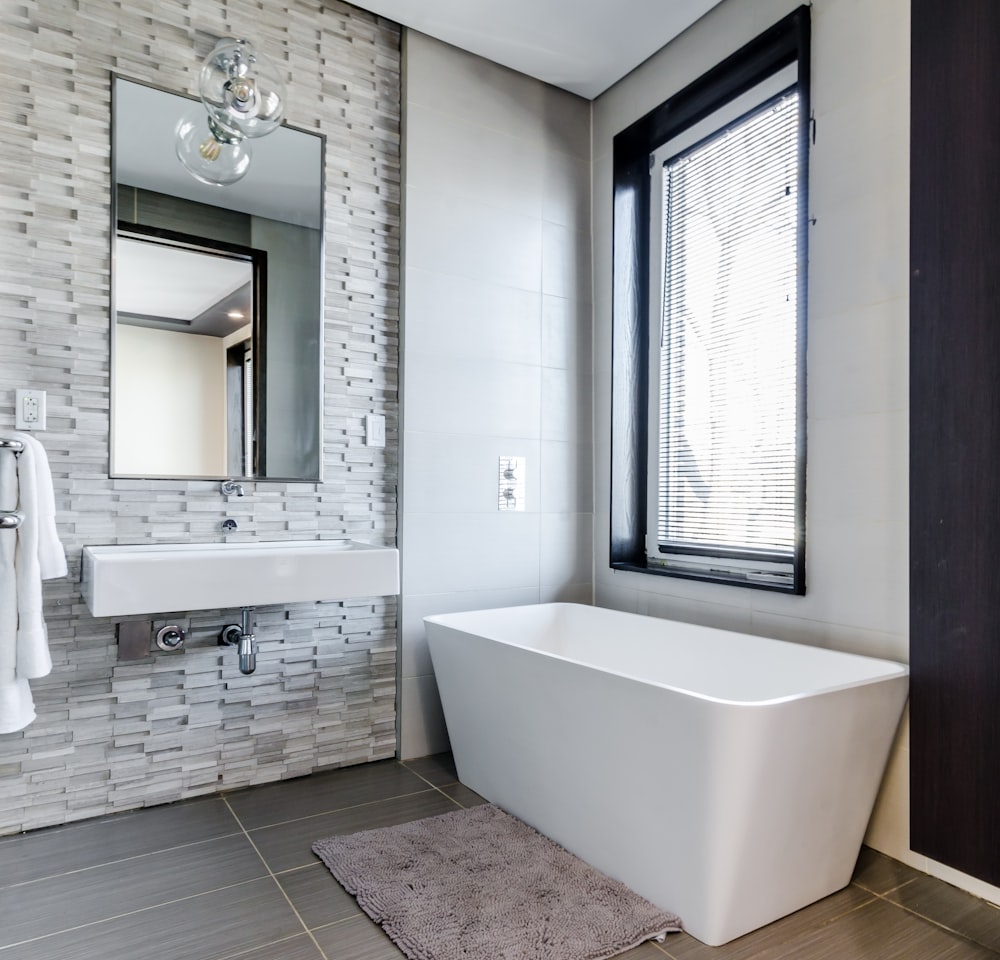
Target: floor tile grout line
[(337, 923), (883, 893), (236, 791), (662, 947), (434, 786), (112, 863), (872, 898), (326, 813), (406, 765), (937, 923), (108, 818), (461, 806), (130, 913), (766, 947), (277, 882), (299, 868), (262, 946)]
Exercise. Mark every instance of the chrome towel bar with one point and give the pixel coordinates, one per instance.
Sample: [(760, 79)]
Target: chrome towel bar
[(10, 520)]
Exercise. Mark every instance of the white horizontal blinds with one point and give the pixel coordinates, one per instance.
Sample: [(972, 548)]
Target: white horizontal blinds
[(728, 357)]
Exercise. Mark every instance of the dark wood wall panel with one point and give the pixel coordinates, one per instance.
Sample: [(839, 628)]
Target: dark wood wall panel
[(955, 434)]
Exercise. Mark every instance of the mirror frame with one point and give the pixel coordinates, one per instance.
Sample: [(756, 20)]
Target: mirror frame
[(259, 339)]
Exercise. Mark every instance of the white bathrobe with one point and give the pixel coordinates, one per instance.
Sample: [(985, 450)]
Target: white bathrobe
[(28, 555)]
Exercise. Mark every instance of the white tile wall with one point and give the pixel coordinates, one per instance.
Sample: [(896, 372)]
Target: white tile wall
[(878, 266), (565, 258), (473, 318), (566, 477), (479, 93), (566, 543), (421, 715), (452, 553), (568, 593), (566, 341), (855, 361), (858, 468), (472, 396), (496, 169), (472, 239), (496, 352), (566, 199)]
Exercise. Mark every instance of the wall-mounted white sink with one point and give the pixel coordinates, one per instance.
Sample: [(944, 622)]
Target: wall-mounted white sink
[(167, 578)]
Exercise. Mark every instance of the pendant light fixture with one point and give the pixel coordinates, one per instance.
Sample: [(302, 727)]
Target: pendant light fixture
[(244, 97)]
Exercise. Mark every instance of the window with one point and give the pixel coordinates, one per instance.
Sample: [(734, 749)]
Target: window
[(709, 432)]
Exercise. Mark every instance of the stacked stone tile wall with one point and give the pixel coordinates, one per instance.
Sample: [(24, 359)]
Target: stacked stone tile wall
[(113, 736)]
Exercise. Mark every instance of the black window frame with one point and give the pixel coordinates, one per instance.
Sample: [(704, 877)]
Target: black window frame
[(784, 44)]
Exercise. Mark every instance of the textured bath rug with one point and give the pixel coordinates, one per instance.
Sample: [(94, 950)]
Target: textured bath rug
[(479, 884)]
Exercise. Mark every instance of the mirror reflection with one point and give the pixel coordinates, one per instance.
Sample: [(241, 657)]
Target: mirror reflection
[(217, 305)]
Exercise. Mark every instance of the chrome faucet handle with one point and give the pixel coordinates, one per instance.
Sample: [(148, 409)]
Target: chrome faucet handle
[(229, 487)]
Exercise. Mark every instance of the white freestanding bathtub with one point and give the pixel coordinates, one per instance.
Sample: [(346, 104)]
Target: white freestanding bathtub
[(725, 777)]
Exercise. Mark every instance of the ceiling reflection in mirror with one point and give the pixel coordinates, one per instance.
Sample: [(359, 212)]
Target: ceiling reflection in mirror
[(217, 303)]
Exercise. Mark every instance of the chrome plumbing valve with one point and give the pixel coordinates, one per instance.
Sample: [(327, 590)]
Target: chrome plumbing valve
[(240, 635)]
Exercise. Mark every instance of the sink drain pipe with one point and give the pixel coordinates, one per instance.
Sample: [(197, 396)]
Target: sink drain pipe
[(240, 635)]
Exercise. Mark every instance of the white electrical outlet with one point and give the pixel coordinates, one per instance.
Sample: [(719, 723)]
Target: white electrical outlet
[(29, 409), (374, 430)]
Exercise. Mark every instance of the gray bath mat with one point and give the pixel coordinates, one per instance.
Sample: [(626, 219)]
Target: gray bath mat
[(479, 884)]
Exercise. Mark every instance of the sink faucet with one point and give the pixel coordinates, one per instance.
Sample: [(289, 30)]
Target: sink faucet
[(229, 487)]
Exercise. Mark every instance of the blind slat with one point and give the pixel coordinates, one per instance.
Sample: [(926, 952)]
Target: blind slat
[(728, 418)]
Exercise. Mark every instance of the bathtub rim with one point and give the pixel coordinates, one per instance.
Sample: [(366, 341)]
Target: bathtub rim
[(894, 669)]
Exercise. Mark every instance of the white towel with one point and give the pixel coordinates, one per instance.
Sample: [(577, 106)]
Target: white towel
[(37, 555), (16, 707), (32, 654), (51, 555), (8, 583)]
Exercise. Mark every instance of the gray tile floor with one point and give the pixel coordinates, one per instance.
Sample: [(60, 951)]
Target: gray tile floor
[(233, 878)]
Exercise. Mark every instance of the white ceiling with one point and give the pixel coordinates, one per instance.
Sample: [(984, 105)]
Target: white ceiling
[(583, 47), (172, 283)]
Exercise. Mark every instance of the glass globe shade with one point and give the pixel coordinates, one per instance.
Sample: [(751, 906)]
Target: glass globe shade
[(211, 153), (241, 88)]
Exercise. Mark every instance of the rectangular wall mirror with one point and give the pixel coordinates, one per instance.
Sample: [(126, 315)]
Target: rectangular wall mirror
[(216, 344)]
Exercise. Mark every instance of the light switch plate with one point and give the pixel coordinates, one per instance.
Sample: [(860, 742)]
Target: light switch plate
[(374, 430)]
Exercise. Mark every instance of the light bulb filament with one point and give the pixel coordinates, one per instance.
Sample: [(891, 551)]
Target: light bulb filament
[(240, 96), (210, 149)]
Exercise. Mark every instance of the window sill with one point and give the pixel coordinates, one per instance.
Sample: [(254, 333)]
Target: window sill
[(629, 567)]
